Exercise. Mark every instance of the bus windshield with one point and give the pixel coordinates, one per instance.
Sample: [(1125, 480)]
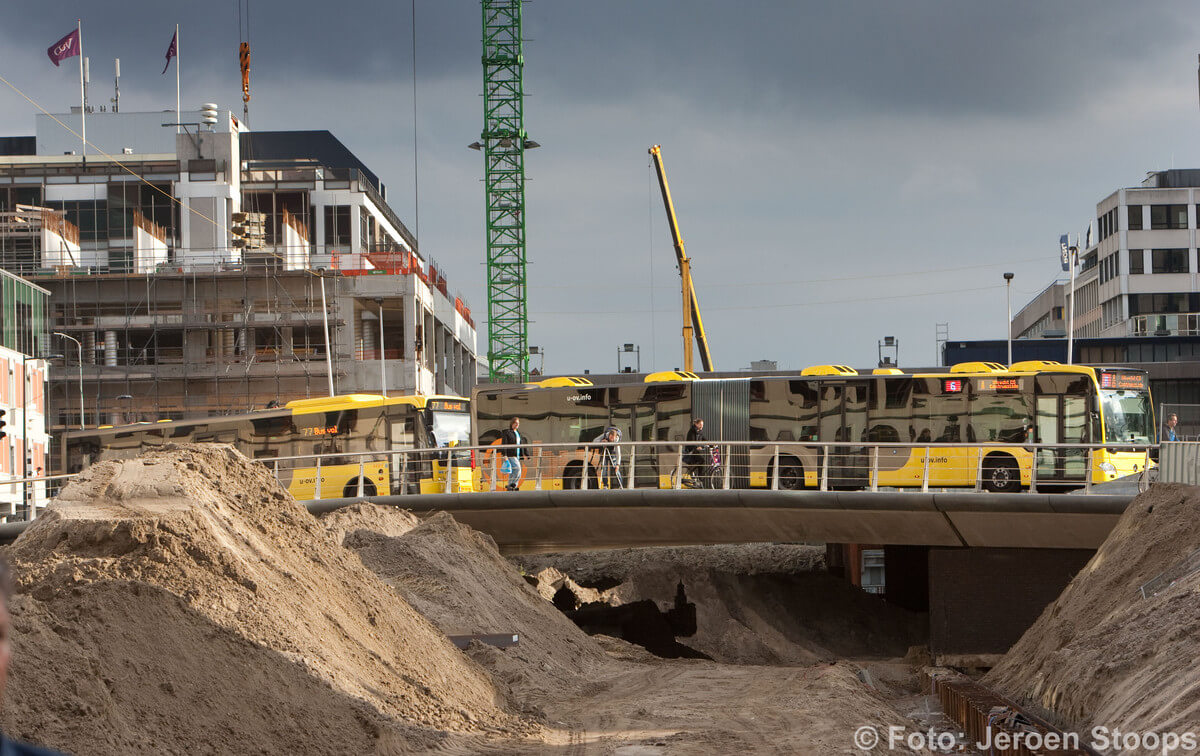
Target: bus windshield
[(1127, 416), (450, 427)]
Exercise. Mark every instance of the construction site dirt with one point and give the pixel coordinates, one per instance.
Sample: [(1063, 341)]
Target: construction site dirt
[(183, 603)]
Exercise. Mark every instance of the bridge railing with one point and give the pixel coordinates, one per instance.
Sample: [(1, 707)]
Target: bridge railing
[(790, 465)]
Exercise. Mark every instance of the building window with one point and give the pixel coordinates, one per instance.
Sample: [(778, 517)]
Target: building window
[(1110, 267), (1168, 216), (91, 216), (1153, 304), (1135, 217), (1108, 223), (1169, 261), (10, 197), (154, 201), (337, 226), (1136, 262)]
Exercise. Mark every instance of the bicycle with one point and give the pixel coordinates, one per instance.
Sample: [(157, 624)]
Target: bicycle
[(711, 474)]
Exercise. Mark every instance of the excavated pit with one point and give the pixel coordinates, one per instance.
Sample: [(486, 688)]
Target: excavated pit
[(749, 604)]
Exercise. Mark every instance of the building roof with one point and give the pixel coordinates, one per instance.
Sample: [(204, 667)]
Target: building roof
[(321, 146), (1176, 178)]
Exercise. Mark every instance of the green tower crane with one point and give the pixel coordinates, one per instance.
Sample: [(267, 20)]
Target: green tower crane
[(503, 143)]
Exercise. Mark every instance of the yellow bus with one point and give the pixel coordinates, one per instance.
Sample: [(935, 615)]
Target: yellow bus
[(973, 424), (343, 427)]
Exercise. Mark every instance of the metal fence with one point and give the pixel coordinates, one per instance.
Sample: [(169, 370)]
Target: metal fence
[(1179, 462), (675, 465)]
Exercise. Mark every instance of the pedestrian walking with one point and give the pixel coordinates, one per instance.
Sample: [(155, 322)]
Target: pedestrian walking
[(510, 444)]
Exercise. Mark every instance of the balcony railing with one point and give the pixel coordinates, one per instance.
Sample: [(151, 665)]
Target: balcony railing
[(1173, 324)]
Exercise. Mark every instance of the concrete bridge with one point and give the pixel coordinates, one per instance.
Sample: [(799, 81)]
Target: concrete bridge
[(541, 521)]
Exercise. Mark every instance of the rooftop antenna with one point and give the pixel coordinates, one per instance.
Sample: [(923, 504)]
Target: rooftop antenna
[(116, 101)]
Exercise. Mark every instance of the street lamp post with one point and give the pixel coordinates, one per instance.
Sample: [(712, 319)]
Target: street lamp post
[(79, 348), (629, 349), (540, 353), (1008, 277)]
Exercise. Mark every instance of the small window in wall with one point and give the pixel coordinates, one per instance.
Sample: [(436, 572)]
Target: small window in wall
[(1135, 217), (1136, 265)]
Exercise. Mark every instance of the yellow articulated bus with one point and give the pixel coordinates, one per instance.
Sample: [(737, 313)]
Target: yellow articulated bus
[(339, 426), (978, 423)]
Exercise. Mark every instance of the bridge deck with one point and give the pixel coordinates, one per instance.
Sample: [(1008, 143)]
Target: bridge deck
[(540, 521)]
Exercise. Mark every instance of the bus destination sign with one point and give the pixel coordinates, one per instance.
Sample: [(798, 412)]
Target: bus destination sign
[(322, 430), (998, 384), (1132, 381), (444, 405)]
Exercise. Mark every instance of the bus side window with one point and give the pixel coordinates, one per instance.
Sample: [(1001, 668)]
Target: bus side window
[(402, 434), (329, 447)]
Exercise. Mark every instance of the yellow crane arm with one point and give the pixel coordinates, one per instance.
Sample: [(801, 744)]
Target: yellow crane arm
[(692, 322)]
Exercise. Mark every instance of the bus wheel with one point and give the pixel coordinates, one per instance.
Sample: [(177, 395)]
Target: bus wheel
[(791, 475), (351, 489), (571, 475), (1001, 475)]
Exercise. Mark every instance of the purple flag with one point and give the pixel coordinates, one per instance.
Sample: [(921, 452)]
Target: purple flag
[(171, 52), (64, 48)]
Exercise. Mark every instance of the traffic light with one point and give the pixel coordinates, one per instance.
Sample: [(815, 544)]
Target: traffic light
[(3, 433)]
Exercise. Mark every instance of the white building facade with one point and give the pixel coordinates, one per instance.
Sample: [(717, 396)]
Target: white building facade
[(173, 306)]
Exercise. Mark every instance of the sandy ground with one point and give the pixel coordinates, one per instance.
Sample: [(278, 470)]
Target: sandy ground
[(1101, 654), (599, 695), (183, 603)]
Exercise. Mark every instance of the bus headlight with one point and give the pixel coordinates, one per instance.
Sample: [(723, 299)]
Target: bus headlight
[(1109, 468)]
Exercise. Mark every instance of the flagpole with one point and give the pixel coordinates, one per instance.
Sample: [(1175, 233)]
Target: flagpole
[(82, 92), (178, 120)]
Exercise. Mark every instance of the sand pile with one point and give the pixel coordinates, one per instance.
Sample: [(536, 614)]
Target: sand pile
[(182, 602), (1101, 655), (387, 521), (755, 603), (456, 577), (601, 694)]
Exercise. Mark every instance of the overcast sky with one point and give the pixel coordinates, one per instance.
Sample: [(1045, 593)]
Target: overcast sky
[(842, 171)]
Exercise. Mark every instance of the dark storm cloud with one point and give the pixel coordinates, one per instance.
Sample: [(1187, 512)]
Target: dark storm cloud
[(944, 57), (841, 169), (1010, 57)]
